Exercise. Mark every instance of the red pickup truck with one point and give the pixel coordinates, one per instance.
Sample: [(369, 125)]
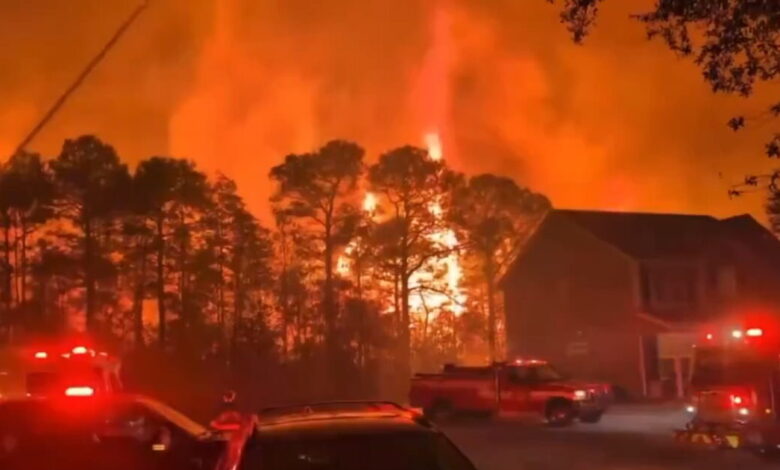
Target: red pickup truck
[(514, 389)]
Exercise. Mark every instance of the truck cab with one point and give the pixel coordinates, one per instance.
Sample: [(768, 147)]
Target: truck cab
[(517, 389), (735, 388)]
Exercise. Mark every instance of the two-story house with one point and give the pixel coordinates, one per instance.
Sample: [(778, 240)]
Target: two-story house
[(621, 297)]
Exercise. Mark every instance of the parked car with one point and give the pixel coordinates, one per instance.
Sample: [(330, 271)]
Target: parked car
[(84, 431), (344, 436)]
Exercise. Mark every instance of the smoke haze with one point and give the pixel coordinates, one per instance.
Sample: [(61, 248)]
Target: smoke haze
[(619, 123)]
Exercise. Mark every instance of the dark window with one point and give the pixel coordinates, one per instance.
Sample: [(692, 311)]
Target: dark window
[(723, 366), (670, 286), (380, 451), (545, 373), (518, 374)]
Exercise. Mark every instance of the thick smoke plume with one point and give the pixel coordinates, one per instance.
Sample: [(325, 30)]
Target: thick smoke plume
[(618, 123)]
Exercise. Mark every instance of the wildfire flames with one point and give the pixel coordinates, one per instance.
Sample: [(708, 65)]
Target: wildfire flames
[(432, 294), (436, 288)]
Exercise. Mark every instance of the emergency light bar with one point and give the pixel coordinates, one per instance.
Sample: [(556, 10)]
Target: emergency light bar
[(79, 391), (79, 350)]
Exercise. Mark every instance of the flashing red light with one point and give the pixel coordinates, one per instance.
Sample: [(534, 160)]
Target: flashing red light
[(709, 336), (41, 355), (754, 332), (79, 391), (736, 399), (79, 350), (737, 334)]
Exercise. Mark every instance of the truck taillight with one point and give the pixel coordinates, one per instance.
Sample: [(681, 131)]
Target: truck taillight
[(79, 391)]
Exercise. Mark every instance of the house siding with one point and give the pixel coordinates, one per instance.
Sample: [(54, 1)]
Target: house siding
[(573, 300)]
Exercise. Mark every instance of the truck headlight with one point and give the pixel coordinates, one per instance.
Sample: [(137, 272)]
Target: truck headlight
[(580, 394)]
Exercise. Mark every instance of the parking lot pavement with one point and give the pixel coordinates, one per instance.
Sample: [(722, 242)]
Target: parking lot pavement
[(636, 437)]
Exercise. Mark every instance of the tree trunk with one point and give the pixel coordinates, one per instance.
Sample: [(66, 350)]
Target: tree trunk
[(161, 282), (221, 283), (404, 336), (491, 306), (238, 307), (89, 280), (23, 267), (5, 319), (183, 285), (138, 314), (331, 345)]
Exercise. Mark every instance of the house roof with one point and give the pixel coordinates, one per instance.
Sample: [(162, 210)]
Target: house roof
[(746, 229), (649, 235)]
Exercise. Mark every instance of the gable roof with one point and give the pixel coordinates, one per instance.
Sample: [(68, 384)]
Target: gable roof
[(643, 235), (746, 229)]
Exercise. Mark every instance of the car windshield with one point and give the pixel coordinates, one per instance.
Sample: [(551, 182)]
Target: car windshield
[(385, 451)]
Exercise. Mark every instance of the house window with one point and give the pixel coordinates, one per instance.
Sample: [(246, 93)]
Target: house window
[(726, 282), (670, 286)]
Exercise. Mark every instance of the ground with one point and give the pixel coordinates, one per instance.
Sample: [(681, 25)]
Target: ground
[(630, 437)]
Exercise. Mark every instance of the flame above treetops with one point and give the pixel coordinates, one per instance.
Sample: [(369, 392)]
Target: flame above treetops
[(437, 287)]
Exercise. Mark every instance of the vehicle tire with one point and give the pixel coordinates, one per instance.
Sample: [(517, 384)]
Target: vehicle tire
[(559, 412), (439, 411), (591, 417)]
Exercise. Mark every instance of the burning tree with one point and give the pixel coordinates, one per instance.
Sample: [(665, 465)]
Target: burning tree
[(317, 193), (408, 182), (494, 216)]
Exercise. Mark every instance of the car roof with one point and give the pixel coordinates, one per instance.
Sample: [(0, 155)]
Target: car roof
[(323, 424), (108, 399)]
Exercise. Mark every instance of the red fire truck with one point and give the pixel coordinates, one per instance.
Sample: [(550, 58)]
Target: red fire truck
[(72, 368), (525, 387), (735, 388)]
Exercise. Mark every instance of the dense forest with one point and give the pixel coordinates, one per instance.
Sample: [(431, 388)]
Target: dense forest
[(367, 271)]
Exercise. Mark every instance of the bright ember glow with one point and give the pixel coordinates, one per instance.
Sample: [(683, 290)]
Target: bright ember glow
[(433, 143), (369, 202), (79, 391)]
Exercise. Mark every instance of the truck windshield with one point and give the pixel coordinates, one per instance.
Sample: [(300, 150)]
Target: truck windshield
[(724, 366), (546, 373)]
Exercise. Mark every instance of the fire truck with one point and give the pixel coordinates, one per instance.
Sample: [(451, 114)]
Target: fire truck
[(74, 369), (735, 388), (521, 388)]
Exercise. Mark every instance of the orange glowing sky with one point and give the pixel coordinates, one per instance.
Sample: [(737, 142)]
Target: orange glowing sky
[(619, 123)]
